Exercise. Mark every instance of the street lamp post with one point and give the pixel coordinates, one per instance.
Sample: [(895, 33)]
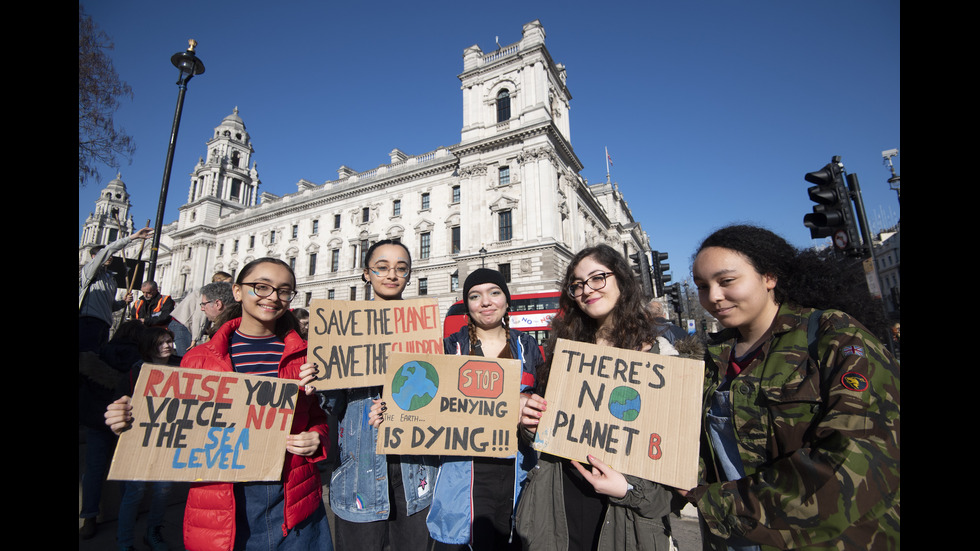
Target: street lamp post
[(189, 65)]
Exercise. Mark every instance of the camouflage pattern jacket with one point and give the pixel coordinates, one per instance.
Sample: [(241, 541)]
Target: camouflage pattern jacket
[(818, 439)]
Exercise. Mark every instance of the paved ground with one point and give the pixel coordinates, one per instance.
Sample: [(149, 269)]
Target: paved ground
[(685, 528)]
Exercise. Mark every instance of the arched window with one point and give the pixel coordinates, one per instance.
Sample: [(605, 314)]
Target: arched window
[(503, 106)]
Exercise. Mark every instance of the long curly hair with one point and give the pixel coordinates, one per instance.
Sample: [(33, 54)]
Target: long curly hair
[(806, 278), (633, 324)]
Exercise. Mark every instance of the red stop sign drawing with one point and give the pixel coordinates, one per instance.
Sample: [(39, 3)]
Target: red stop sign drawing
[(481, 379)]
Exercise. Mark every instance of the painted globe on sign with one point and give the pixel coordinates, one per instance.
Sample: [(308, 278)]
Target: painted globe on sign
[(624, 403), (414, 385)]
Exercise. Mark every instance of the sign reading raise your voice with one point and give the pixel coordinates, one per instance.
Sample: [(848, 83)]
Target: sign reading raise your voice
[(198, 425), (450, 405), (350, 340), (637, 412)]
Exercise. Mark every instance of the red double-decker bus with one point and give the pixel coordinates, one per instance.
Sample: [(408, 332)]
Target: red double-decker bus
[(530, 313)]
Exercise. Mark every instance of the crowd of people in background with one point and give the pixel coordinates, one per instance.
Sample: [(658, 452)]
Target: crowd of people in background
[(799, 438)]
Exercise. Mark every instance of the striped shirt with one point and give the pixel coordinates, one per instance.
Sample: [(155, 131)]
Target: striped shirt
[(256, 355)]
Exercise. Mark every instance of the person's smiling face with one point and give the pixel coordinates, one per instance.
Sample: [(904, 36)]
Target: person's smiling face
[(731, 290), (487, 305), (595, 303)]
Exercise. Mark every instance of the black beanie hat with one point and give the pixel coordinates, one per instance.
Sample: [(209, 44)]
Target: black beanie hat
[(485, 275)]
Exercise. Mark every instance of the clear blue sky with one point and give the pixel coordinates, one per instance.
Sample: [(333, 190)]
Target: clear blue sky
[(712, 110)]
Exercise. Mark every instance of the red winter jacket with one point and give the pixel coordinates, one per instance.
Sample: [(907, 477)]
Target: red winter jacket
[(209, 518)]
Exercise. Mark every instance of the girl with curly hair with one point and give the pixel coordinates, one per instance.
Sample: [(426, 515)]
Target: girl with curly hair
[(595, 507), (800, 426)]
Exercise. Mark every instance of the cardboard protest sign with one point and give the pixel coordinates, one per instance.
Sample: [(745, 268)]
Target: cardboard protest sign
[(639, 413), (350, 339), (208, 426), (450, 405)]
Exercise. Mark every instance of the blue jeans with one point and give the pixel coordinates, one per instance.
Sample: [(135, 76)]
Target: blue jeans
[(259, 517), (99, 445), (133, 491)]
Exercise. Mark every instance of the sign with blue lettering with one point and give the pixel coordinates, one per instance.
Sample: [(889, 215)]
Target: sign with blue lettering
[(205, 426)]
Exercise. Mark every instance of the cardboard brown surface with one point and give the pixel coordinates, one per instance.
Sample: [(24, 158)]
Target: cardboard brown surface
[(198, 425), (639, 413), (450, 405), (350, 340)]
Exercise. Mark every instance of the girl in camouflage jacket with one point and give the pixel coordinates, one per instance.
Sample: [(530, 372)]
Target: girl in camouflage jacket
[(800, 430)]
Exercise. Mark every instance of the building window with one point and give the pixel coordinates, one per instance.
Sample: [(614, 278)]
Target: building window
[(505, 270), (353, 293), (506, 231), (365, 215), (423, 286), (396, 207), (308, 297), (336, 221), (234, 247), (236, 188), (334, 260), (503, 106), (424, 245), (221, 249), (454, 282), (455, 194), (295, 231), (425, 201), (251, 242), (292, 263), (316, 227), (363, 257), (312, 264), (272, 237), (455, 240), (330, 294), (504, 175)]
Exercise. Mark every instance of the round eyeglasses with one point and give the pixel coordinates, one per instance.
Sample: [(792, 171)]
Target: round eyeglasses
[(383, 271), (264, 290), (595, 282)]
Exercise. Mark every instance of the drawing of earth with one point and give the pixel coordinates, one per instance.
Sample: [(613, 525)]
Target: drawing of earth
[(624, 403), (415, 385)]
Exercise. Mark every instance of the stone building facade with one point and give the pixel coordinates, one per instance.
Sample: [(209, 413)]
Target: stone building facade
[(508, 196)]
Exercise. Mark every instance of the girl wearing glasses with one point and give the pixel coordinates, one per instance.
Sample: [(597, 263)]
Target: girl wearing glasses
[(376, 499), (475, 498), (800, 428), (259, 339), (566, 505)]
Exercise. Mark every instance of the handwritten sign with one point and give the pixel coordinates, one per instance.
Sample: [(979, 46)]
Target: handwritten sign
[(639, 413), (350, 339), (450, 405), (198, 425)]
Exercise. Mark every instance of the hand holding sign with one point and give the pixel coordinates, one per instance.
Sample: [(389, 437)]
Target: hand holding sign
[(639, 412)]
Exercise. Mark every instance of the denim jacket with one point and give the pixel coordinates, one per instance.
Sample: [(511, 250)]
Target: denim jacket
[(359, 486), (450, 518)]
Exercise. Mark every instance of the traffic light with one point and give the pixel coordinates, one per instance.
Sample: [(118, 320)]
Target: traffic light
[(641, 265), (659, 277), (674, 293), (833, 215)]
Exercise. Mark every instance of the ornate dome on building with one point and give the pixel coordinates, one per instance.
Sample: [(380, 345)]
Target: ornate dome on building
[(508, 196)]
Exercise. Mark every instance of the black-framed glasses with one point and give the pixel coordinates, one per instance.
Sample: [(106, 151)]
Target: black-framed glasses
[(203, 304), (264, 290), (383, 271), (595, 282)]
